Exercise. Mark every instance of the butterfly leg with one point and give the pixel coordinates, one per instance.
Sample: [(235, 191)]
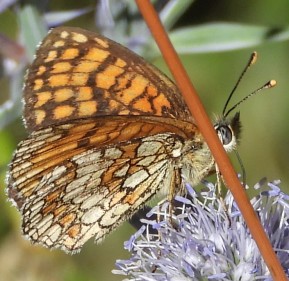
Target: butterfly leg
[(219, 180), (175, 184), (219, 192)]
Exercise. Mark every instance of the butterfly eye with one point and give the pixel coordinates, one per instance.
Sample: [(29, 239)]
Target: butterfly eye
[(225, 134)]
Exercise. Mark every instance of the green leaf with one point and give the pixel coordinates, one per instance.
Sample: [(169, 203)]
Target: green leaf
[(172, 11), (33, 29), (219, 37), (57, 18)]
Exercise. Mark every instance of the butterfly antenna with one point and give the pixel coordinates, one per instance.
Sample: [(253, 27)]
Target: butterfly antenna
[(268, 85), (251, 61)]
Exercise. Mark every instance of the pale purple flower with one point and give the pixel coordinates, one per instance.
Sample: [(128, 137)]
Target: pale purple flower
[(209, 239)]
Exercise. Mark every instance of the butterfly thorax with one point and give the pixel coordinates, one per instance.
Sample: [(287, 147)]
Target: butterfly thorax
[(197, 162)]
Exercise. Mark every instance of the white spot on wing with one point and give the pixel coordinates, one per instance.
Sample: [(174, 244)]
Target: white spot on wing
[(122, 171), (112, 153), (136, 178), (92, 215), (53, 234), (114, 214), (148, 148), (91, 201)]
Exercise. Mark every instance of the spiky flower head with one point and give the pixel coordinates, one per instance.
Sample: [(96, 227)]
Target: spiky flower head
[(208, 239)]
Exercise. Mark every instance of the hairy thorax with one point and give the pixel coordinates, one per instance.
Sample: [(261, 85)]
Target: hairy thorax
[(196, 162)]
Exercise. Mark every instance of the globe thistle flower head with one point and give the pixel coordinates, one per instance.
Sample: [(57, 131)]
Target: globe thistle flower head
[(207, 238)]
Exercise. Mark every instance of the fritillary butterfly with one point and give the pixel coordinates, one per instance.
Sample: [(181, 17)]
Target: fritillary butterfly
[(107, 132)]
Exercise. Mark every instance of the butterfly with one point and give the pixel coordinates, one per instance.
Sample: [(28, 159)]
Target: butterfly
[(107, 132)]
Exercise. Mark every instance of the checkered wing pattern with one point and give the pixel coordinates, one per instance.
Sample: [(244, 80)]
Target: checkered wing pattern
[(107, 131), (82, 179), (79, 74)]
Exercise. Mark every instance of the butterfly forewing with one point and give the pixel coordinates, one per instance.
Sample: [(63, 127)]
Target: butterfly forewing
[(79, 74)]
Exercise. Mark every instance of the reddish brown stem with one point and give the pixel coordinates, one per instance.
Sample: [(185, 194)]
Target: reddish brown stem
[(206, 128)]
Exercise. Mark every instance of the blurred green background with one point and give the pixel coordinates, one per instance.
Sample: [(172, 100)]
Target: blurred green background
[(214, 57)]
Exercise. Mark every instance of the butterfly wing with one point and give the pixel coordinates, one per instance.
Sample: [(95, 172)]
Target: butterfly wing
[(79, 74), (83, 179), (106, 130)]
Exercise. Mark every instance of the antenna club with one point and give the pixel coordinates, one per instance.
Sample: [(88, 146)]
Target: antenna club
[(272, 83), (254, 58)]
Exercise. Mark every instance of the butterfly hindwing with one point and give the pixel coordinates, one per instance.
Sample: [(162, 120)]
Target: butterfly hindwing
[(64, 201)]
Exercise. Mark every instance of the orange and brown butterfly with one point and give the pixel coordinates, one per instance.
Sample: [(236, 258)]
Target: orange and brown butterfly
[(108, 131)]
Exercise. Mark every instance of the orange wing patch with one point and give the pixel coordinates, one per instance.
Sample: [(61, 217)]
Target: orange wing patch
[(118, 81)]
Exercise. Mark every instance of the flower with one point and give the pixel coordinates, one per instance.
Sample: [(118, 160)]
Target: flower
[(208, 239)]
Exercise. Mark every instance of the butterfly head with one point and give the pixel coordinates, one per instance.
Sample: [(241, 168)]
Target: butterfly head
[(228, 130)]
